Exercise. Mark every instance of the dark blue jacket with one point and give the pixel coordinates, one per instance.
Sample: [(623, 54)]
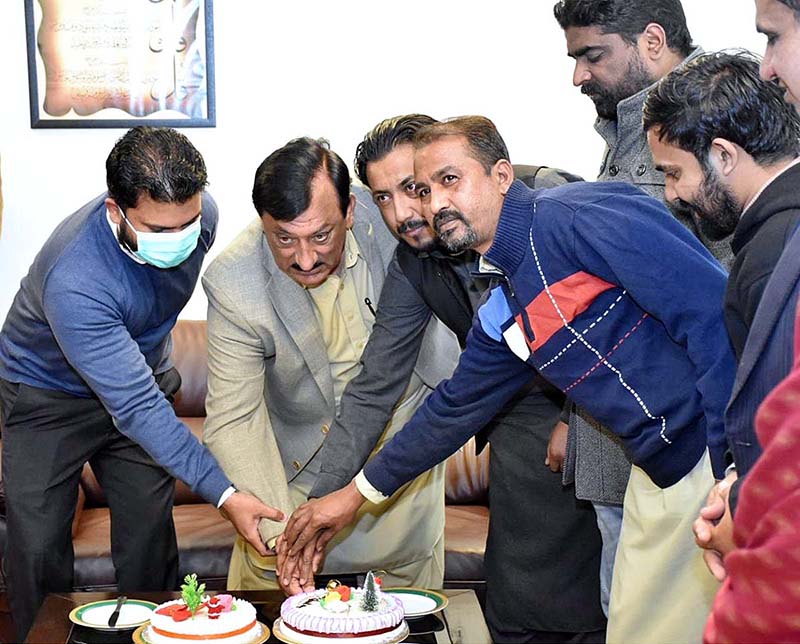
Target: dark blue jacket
[(612, 301)]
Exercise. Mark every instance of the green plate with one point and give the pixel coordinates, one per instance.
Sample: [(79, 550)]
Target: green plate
[(418, 601), (134, 612)]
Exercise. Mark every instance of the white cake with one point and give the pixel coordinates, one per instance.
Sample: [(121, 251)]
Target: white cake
[(322, 615), (237, 625)]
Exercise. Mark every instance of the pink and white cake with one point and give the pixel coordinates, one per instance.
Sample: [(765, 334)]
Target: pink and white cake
[(365, 615), (221, 619)]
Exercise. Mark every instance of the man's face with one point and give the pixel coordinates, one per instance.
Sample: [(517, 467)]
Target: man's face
[(393, 189), (462, 202), (607, 69), (689, 188), (309, 248), (782, 56), (149, 216)]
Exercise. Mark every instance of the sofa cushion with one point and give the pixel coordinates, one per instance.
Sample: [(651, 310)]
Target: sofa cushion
[(205, 540), (465, 530)]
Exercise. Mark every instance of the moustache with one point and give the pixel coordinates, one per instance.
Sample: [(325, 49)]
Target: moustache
[(411, 225), (296, 267), (681, 207), (444, 216)]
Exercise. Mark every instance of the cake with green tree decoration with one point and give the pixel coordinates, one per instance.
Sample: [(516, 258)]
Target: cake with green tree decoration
[(197, 616), (366, 615)]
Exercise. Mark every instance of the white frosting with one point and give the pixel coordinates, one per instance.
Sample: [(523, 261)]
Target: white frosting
[(385, 638), (314, 617), (200, 624)]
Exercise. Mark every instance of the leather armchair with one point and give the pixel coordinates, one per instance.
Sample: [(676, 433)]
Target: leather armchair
[(205, 538)]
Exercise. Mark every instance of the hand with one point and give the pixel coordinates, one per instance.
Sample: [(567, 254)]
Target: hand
[(289, 574), (557, 447), (326, 516), (713, 528), (245, 511)]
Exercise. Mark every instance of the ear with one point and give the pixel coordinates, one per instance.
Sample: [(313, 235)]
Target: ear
[(114, 210), (503, 171), (351, 208), (653, 42), (724, 156)]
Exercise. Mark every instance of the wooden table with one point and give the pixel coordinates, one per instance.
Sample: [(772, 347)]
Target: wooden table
[(462, 616)]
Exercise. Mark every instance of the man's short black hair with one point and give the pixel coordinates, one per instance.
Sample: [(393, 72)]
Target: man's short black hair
[(385, 137), (485, 142), (628, 19), (722, 95), (157, 161), (282, 186)]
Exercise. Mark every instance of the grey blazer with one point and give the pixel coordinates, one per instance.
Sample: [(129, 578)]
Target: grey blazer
[(270, 396)]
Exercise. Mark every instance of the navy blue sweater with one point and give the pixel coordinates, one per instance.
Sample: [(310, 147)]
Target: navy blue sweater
[(616, 304), (90, 321)]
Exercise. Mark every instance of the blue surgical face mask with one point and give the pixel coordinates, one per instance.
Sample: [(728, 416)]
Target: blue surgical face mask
[(165, 250)]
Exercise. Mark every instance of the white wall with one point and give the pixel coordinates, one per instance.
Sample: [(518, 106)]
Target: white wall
[(320, 68)]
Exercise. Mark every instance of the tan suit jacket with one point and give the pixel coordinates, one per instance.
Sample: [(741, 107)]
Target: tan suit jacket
[(270, 392)]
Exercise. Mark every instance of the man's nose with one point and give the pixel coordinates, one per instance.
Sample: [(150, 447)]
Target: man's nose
[(581, 74), (438, 201), (766, 69), (305, 257)]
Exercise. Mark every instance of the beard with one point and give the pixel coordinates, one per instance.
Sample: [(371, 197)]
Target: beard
[(714, 207), (125, 237), (451, 239), (606, 98), (415, 224)]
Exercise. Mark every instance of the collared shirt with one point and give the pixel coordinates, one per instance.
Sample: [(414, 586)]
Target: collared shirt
[(343, 314)]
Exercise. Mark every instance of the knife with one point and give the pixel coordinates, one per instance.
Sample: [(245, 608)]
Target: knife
[(112, 621)]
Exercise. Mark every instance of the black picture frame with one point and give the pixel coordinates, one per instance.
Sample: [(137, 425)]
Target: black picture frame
[(89, 65)]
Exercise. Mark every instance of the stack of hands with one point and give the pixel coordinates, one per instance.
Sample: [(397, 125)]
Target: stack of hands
[(301, 547)]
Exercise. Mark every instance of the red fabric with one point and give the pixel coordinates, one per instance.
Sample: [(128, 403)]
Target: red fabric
[(760, 599), (574, 294)]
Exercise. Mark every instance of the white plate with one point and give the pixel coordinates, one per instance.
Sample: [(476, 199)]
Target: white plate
[(418, 601), (133, 613)]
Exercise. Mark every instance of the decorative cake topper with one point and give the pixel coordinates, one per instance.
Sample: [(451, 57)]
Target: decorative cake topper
[(369, 600), (191, 593)]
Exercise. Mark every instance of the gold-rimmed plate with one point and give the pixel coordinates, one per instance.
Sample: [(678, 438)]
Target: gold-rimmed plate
[(419, 601), (140, 635), (133, 613)]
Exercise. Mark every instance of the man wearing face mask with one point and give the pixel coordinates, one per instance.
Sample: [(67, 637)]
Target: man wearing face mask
[(290, 308), (85, 375)]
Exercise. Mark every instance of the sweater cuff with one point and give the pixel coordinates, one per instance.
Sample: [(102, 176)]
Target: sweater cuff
[(367, 490)]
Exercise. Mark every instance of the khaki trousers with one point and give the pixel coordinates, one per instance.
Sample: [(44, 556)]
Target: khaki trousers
[(662, 591), (404, 536)]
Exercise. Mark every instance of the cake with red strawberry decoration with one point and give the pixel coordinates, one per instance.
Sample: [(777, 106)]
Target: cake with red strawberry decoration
[(221, 619), (364, 615)]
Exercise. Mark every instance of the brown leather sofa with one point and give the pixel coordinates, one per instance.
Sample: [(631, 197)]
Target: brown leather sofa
[(205, 538)]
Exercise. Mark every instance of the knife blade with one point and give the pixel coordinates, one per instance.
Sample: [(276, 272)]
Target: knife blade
[(112, 621)]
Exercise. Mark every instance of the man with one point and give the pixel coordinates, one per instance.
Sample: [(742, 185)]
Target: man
[(737, 614), (85, 375), (728, 144), (779, 21), (588, 308), (621, 48), (538, 536), (289, 315)]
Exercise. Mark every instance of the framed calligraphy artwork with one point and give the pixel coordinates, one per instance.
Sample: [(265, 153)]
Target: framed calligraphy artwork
[(120, 63)]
